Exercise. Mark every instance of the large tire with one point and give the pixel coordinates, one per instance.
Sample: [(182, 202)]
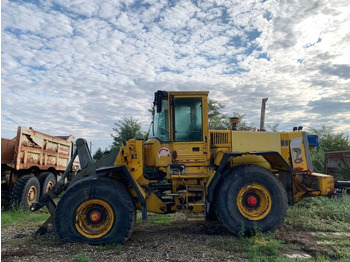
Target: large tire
[(25, 192), (251, 198), (95, 211), (47, 181)]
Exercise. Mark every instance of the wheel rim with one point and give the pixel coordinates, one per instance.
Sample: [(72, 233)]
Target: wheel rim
[(94, 218), (49, 186), (254, 201), (31, 195)]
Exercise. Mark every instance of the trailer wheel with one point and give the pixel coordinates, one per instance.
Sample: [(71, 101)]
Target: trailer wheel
[(95, 211), (47, 181), (251, 198), (25, 192)]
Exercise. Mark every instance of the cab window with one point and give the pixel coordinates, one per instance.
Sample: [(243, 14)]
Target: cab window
[(188, 122), (160, 128)]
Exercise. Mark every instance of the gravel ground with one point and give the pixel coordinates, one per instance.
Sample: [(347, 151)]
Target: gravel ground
[(177, 241)]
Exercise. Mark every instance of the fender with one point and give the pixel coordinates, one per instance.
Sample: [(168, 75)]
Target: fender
[(104, 171)]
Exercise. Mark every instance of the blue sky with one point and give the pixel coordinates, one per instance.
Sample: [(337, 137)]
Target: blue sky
[(77, 67)]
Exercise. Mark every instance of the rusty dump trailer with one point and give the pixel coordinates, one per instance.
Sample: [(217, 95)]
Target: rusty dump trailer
[(336, 161), (337, 164), (30, 164)]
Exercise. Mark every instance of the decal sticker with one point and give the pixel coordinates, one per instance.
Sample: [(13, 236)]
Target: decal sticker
[(164, 152), (298, 159), (297, 154)]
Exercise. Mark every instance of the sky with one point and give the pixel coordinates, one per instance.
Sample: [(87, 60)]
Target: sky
[(78, 67)]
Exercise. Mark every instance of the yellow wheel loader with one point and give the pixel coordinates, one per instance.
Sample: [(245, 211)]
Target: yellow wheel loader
[(246, 180)]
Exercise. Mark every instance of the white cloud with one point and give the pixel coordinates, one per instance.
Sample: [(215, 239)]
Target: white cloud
[(79, 66)]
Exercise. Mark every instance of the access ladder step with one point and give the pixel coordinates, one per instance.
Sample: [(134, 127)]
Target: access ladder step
[(196, 219), (196, 216), (196, 204), (195, 189)]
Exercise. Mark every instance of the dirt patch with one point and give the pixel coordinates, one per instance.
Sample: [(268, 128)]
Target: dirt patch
[(313, 243), (17, 253), (305, 240)]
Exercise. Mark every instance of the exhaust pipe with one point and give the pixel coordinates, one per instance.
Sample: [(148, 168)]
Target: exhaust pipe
[(262, 117)]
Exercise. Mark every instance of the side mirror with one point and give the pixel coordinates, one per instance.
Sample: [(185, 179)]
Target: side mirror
[(158, 97)]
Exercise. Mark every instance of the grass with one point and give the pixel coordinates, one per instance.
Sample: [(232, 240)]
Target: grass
[(18, 216), (112, 246), (160, 219), (329, 216), (83, 258), (320, 214), (260, 247)]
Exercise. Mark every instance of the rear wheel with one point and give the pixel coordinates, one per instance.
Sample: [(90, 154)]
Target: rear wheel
[(95, 211), (47, 181), (25, 192), (251, 198)]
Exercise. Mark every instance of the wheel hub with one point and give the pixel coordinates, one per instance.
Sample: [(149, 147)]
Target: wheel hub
[(252, 201), (95, 216)]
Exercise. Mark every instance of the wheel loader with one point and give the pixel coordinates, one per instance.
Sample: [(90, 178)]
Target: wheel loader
[(245, 180)]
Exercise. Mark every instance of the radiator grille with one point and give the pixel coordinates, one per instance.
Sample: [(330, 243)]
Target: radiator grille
[(220, 138)]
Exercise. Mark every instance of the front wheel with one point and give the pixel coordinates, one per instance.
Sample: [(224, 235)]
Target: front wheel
[(95, 211), (251, 198)]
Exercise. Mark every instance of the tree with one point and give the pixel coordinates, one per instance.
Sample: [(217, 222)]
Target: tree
[(328, 142), (125, 130), (242, 125), (98, 154), (217, 120), (274, 127)]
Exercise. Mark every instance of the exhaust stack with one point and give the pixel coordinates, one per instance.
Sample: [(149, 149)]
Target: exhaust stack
[(262, 117)]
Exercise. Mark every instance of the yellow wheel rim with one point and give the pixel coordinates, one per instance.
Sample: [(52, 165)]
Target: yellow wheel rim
[(254, 201), (94, 218), (49, 186), (32, 195)]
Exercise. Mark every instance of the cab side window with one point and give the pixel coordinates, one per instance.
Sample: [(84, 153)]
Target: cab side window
[(188, 120)]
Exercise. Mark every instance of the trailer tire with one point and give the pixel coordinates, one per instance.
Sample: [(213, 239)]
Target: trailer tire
[(47, 181), (25, 192), (251, 199), (95, 211)]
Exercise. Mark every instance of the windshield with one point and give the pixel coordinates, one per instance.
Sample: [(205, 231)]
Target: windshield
[(188, 119), (160, 128)]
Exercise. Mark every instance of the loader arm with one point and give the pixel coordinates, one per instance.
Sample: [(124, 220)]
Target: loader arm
[(83, 152)]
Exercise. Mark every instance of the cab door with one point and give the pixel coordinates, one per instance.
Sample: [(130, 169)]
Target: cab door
[(190, 129)]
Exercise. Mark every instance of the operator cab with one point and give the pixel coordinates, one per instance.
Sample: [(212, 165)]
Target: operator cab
[(180, 127), (187, 118)]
